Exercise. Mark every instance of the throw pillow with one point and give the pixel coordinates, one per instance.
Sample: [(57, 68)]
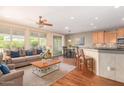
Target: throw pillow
[(4, 68), (34, 52), (22, 52), (15, 54), (39, 51), (29, 53)]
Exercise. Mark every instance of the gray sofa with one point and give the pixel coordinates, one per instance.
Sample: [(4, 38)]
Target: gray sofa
[(23, 61), (14, 78)]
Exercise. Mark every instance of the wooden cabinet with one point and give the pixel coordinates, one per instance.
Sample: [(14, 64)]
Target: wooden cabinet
[(107, 37), (110, 37), (113, 37), (95, 38), (104, 37), (98, 37), (120, 32)]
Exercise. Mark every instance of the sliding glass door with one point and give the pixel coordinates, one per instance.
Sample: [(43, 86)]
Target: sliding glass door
[(57, 45)]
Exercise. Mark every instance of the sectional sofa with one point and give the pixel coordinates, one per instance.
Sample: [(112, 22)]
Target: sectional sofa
[(23, 57)]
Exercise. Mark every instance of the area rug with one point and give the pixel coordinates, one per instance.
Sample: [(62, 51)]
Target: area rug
[(31, 79)]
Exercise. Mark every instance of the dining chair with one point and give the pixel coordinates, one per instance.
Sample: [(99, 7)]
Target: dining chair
[(64, 51)]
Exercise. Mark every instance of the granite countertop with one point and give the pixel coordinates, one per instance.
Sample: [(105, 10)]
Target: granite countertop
[(115, 49)]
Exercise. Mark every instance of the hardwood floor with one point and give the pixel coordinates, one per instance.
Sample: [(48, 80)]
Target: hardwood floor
[(80, 78)]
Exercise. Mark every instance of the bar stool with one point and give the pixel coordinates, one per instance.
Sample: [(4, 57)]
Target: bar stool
[(89, 63), (85, 62), (77, 56)]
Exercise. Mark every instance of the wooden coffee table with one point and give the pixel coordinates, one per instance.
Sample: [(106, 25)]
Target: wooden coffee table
[(41, 69)]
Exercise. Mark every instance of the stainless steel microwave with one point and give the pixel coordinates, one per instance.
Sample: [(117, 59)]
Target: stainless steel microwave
[(120, 40)]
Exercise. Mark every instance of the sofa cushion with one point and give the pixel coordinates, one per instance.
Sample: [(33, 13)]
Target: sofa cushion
[(29, 53), (34, 51), (4, 68), (34, 57), (22, 52), (15, 54), (37, 56), (39, 51), (18, 59)]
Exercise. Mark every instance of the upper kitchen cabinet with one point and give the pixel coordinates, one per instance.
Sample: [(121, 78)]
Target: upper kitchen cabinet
[(113, 36), (110, 37), (104, 37), (107, 37), (98, 37), (95, 38), (120, 32)]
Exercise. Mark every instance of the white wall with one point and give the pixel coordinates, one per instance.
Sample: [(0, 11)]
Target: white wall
[(75, 37)]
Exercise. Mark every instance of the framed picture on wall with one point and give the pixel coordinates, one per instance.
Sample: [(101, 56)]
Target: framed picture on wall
[(80, 41)]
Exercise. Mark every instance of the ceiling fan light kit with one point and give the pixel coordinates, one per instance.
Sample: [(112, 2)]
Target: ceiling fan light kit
[(43, 22)]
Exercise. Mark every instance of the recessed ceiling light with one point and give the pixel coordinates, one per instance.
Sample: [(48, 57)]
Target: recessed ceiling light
[(116, 6), (91, 24), (72, 18), (96, 18), (66, 27)]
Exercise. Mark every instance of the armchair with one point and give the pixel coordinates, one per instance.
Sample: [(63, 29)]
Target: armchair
[(14, 78)]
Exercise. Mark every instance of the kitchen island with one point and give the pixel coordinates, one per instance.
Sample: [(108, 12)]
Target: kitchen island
[(109, 62)]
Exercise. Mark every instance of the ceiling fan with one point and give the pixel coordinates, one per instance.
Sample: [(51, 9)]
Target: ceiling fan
[(43, 22)]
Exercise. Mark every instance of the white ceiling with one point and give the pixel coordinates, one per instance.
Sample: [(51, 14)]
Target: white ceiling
[(84, 17)]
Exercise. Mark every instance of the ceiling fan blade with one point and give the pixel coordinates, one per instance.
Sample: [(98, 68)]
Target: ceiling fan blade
[(38, 23), (45, 20), (48, 24), (42, 22)]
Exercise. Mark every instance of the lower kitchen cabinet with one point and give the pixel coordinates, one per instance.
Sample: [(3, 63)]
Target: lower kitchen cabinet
[(107, 65), (119, 67), (111, 65)]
